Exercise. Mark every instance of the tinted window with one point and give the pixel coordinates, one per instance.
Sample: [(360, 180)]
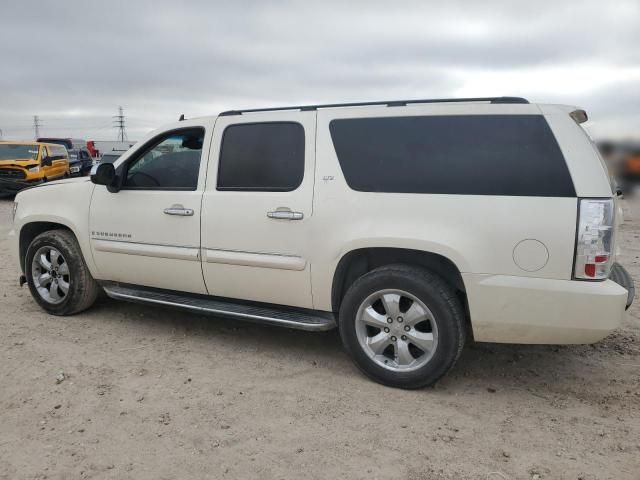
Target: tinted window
[(472, 155), (170, 163), (262, 156)]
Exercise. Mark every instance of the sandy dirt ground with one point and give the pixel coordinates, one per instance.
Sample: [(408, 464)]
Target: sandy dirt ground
[(150, 393)]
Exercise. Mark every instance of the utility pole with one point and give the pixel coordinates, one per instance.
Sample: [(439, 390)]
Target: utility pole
[(36, 125), (118, 122)]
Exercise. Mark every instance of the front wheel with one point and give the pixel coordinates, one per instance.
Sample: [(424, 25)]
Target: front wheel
[(57, 275), (403, 326)]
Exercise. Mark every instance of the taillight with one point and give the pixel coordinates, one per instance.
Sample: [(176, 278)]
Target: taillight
[(594, 239)]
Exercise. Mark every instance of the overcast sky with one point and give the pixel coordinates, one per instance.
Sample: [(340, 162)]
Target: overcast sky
[(73, 62)]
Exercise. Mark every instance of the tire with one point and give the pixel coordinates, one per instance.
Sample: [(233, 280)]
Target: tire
[(70, 287), (422, 294)]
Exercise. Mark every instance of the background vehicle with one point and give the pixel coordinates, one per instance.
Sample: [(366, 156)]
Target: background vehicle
[(23, 164), (102, 147), (68, 143), (623, 161), (111, 156), (409, 225), (80, 162), (630, 168)]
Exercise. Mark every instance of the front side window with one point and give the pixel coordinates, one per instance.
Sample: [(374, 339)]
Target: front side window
[(266, 157), (172, 162)]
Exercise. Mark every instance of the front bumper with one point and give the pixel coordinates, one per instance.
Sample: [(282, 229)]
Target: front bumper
[(78, 170), (509, 309), (14, 186)]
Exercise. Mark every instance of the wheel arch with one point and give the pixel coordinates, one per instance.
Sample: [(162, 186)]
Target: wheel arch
[(357, 262), (31, 230)]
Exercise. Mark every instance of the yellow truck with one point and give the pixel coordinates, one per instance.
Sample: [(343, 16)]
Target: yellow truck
[(23, 164)]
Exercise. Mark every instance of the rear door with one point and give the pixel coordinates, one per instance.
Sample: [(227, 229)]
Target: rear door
[(257, 208)]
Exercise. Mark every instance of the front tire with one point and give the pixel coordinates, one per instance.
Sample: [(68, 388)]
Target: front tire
[(57, 274), (403, 326)]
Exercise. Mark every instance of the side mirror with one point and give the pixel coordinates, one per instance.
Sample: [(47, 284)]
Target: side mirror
[(103, 174), (46, 162)]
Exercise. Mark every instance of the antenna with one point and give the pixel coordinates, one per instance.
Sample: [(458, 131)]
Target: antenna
[(36, 125), (118, 123)]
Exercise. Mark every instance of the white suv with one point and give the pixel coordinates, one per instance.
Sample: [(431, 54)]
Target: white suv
[(410, 225)]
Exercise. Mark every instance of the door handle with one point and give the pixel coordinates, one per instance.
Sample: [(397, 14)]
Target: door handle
[(179, 210), (282, 214)]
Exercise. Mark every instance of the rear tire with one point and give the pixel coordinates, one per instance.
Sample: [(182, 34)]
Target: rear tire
[(57, 274), (403, 326)]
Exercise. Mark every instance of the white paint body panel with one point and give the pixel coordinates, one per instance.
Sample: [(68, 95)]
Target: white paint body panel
[(157, 250), (230, 248), (512, 309), (64, 202), (237, 221)]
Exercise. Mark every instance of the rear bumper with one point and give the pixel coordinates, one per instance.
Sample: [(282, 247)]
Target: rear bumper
[(620, 275), (507, 309)]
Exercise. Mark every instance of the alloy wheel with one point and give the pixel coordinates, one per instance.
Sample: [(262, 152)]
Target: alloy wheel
[(50, 273), (396, 330)]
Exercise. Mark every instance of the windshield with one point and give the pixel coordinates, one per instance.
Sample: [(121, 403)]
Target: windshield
[(18, 152)]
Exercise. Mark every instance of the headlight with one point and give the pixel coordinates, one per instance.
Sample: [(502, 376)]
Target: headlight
[(13, 212), (34, 169)]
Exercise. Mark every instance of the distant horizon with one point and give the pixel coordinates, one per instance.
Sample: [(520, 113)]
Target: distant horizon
[(160, 59)]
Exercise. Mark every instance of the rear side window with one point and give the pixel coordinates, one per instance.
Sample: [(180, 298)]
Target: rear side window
[(458, 154), (266, 157)]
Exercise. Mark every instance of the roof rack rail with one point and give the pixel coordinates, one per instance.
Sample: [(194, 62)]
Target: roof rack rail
[(388, 103)]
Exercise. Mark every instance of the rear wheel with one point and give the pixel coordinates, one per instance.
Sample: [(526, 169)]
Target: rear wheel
[(57, 275), (402, 325)]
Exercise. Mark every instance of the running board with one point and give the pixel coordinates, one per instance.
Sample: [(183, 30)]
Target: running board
[(300, 319)]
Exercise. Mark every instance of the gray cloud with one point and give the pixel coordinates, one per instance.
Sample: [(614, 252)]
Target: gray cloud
[(73, 62)]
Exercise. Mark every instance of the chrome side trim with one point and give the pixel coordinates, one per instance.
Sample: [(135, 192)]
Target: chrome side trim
[(299, 321), (250, 259), (146, 249)]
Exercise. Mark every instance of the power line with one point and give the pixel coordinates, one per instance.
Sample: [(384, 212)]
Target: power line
[(118, 123), (36, 125)]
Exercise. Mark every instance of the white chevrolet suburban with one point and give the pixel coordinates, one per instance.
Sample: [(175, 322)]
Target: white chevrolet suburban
[(409, 225)]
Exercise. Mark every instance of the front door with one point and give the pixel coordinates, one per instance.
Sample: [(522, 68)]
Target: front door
[(148, 233), (58, 161), (257, 208)]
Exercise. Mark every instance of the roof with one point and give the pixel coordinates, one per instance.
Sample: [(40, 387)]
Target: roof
[(25, 142), (388, 103)]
